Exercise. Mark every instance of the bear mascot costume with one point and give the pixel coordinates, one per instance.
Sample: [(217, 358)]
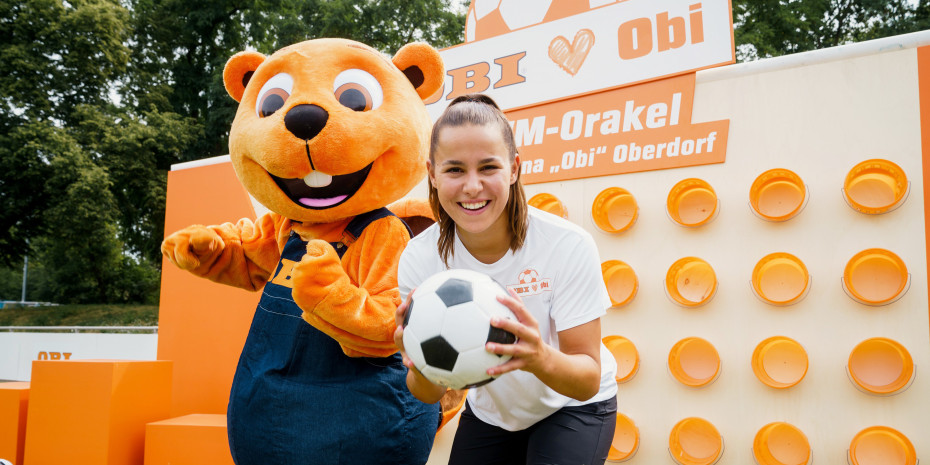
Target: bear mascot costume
[(327, 134)]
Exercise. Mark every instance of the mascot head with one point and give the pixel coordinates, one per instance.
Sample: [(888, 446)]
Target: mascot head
[(328, 129)]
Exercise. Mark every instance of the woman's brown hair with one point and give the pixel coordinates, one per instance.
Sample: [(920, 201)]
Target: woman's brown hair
[(477, 110)]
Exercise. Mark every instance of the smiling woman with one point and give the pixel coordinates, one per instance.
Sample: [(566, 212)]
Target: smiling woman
[(492, 163), (555, 398), (472, 172)]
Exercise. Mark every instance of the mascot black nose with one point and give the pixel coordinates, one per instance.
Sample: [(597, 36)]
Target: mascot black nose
[(305, 121)]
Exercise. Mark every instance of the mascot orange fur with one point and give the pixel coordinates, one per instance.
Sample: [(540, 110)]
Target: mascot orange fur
[(327, 134)]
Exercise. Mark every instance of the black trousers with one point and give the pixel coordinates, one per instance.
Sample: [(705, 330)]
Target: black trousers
[(570, 436)]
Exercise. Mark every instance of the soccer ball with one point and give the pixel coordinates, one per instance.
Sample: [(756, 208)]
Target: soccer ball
[(490, 18), (528, 276), (447, 324)]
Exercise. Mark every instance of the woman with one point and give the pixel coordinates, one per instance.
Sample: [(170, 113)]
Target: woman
[(555, 400)]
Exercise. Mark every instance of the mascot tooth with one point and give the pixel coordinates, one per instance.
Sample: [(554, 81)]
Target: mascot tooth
[(318, 179), (327, 134)]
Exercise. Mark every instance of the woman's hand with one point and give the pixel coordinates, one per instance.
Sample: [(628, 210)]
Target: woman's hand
[(529, 353), (573, 370), (399, 316), (419, 386)]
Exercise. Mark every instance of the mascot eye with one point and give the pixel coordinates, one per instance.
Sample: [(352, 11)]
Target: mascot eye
[(273, 94), (357, 90)]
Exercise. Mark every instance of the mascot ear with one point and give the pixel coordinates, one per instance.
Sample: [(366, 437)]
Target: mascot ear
[(423, 66), (239, 70)]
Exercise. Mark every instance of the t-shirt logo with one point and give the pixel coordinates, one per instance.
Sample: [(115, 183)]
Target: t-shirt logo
[(530, 283)]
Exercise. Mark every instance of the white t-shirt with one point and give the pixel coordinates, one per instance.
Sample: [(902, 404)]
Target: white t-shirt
[(557, 275)]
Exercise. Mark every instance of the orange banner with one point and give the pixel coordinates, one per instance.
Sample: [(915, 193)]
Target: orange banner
[(640, 128)]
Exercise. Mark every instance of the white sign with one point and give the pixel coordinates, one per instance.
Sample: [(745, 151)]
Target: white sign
[(19, 350), (612, 46)]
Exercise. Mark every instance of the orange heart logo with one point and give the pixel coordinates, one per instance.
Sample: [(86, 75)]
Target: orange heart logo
[(570, 56)]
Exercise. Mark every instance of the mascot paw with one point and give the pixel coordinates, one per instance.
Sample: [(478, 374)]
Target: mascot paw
[(316, 273), (318, 248), (192, 246)]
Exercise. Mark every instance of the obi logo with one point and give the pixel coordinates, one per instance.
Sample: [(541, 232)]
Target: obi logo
[(639, 37), (530, 283), (54, 356), (474, 78)]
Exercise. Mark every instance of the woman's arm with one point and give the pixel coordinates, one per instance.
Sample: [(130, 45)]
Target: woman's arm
[(574, 370)]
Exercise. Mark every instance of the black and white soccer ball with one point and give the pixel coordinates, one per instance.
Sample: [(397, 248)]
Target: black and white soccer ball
[(448, 323)]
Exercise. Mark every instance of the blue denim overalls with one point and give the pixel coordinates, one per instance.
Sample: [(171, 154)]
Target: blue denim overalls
[(297, 399)]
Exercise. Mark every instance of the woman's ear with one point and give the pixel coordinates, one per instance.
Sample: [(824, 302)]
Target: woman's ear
[(429, 173), (515, 169)]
